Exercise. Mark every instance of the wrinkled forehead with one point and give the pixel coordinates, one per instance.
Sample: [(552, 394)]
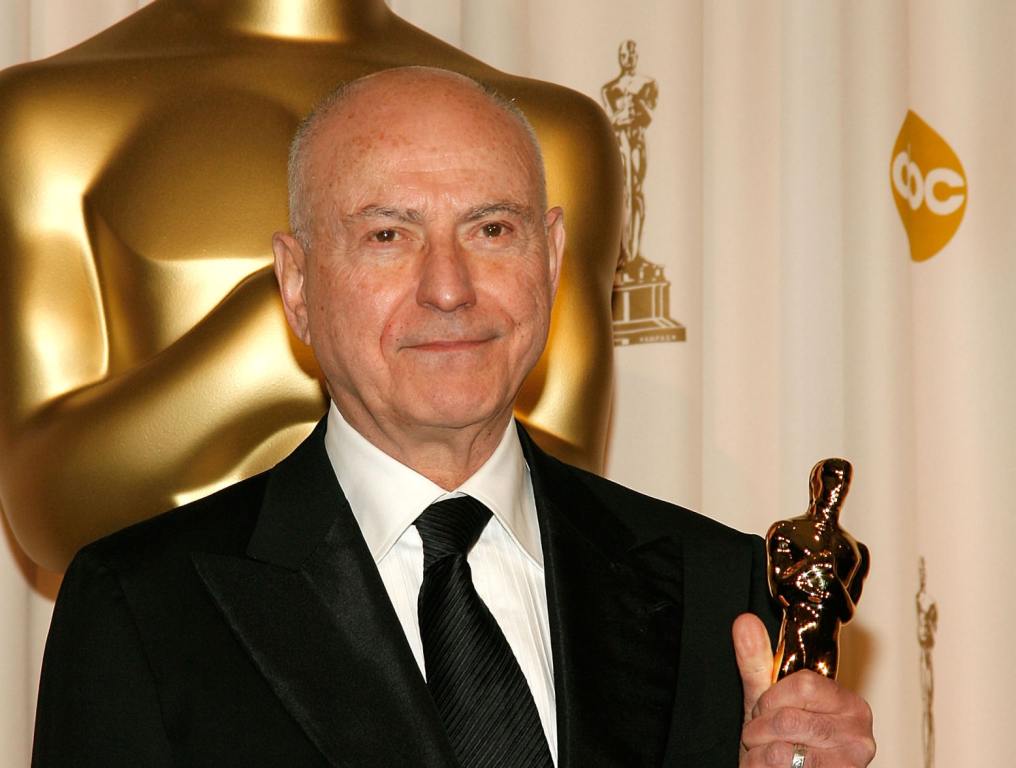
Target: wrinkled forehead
[(386, 131)]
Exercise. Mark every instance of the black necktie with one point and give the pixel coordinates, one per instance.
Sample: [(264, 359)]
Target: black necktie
[(478, 686)]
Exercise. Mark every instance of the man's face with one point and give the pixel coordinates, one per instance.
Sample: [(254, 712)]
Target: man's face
[(427, 289)]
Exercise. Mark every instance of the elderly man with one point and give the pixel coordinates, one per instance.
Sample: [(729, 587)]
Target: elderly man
[(418, 584)]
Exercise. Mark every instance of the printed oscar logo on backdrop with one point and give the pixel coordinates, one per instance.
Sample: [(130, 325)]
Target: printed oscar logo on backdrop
[(928, 185), (641, 300), (927, 624)]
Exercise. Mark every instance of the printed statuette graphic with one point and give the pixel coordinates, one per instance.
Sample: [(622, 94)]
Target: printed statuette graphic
[(641, 300), (928, 185), (927, 625), (816, 571)]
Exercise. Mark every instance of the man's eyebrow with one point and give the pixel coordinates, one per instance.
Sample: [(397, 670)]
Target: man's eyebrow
[(504, 207), (406, 215)]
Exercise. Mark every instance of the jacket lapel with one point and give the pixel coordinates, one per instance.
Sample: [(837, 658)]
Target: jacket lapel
[(309, 607), (615, 615)]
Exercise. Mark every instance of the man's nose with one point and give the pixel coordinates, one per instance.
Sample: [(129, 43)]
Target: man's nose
[(445, 280)]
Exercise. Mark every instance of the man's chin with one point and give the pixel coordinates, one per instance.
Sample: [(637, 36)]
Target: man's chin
[(458, 416)]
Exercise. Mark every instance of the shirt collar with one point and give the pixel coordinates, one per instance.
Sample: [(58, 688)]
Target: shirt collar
[(386, 496)]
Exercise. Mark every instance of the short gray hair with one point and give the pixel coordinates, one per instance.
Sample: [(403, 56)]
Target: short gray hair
[(299, 213)]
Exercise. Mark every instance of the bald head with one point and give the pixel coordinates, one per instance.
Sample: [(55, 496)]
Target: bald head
[(423, 92)]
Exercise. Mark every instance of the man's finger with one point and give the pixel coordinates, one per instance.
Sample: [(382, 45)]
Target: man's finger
[(754, 658), (814, 692), (807, 708)]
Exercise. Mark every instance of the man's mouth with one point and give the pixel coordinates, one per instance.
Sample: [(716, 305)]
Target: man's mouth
[(448, 345)]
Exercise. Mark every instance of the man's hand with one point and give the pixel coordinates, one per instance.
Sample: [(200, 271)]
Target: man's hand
[(830, 722)]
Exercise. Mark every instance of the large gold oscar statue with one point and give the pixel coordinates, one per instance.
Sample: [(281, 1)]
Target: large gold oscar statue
[(144, 357)]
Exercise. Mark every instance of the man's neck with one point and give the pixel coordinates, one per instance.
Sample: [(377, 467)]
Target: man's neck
[(447, 456), (333, 20)]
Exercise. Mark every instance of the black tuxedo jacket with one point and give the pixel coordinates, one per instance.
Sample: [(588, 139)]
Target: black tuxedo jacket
[(251, 628)]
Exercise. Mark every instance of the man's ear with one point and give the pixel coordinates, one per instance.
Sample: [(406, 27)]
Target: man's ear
[(554, 222), (290, 271)]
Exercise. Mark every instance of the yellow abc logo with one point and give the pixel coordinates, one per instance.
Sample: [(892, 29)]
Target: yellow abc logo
[(928, 185)]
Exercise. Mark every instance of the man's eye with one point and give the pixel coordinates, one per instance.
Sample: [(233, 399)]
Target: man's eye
[(493, 230), (385, 235)]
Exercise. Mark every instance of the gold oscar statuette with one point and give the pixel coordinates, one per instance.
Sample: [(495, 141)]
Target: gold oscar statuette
[(816, 571)]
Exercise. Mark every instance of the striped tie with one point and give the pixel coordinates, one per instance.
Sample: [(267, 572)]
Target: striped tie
[(480, 691)]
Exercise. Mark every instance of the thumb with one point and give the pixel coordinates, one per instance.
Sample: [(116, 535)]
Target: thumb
[(754, 659)]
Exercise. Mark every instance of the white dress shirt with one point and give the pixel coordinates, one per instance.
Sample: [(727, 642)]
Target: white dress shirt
[(507, 561)]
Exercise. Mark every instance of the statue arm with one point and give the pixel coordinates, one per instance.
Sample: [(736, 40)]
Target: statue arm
[(605, 97), (609, 99), (101, 456), (796, 575), (857, 583), (780, 551), (814, 576), (652, 93), (850, 592)]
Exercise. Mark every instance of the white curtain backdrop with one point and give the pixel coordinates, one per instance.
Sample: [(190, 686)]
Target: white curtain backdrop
[(810, 332)]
